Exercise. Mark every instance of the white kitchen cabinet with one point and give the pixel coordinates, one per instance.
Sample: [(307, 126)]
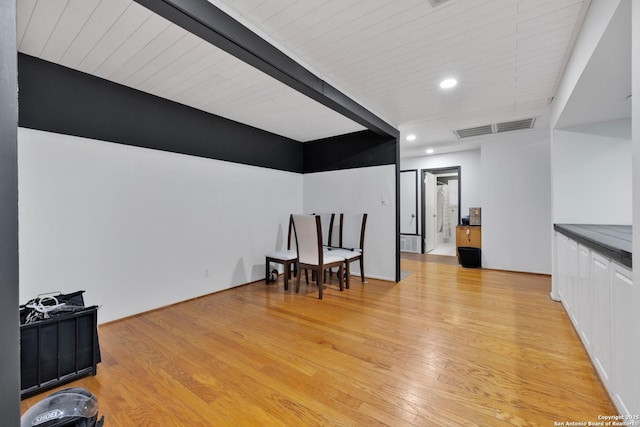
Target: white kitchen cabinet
[(562, 243), (601, 317), (622, 335), (597, 293), (584, 304), (572, 286)]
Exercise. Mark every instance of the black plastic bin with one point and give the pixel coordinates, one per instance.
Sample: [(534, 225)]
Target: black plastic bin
[(60, 349), (469, 257)]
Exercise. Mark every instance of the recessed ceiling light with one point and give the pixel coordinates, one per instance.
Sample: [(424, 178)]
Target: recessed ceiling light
[(448, 83), (411, 137), (429, 150)]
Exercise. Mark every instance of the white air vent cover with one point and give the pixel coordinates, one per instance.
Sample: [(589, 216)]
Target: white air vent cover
[(409, 243), (495, 128), (515, 125), (477, 131)]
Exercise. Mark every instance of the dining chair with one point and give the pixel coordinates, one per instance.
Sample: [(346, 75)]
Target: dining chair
[(287, 257), (351, 241), (311, 255), (326, 221)]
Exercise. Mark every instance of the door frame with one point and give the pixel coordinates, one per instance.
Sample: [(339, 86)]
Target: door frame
[(423, 207)]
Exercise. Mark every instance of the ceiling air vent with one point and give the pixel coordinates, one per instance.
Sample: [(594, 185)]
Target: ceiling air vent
[(477, 131), (515, 125), (495, 128)]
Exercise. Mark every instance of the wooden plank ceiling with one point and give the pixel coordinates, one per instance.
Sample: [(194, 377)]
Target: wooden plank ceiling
[(508, 56)]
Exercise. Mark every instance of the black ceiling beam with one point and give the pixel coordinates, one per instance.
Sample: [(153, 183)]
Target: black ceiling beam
[(213, 25)]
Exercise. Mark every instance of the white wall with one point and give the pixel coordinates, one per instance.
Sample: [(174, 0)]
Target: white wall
[(595, 23), (469, 162), (138, 229), (591, 179), (371, 190), (509, 178), (516, 202)]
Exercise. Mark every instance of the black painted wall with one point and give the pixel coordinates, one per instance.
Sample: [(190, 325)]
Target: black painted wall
[(355, 150), (61, 100), (58, 99), (9, 288)]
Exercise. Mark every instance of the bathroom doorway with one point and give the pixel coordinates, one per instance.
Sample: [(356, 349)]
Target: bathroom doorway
[(440, 210)]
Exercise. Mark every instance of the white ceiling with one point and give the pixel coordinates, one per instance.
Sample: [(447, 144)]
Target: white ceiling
[(388, 55), (123, 42)]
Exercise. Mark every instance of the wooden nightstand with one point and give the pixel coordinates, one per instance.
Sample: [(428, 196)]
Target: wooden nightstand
[(469, 236)]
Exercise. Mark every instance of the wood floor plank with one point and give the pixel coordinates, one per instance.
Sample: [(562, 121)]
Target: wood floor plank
[(447, 346)]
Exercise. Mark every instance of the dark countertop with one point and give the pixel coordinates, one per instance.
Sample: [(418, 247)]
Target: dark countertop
[(612, 241)]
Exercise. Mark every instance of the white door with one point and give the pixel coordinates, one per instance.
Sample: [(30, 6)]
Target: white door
[(408, 202), (431, 210)]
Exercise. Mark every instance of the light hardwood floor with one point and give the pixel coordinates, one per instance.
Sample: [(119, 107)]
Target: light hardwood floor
[(447, 346)]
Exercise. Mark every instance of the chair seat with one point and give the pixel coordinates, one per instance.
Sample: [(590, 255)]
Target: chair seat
[(283, 255), (346, 253), (330, 258)]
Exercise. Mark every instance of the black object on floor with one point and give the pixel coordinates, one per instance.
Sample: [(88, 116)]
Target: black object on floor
[(60, 347), (469, 257)]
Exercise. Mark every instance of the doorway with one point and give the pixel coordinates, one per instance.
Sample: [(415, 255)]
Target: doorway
[(441, 210)]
